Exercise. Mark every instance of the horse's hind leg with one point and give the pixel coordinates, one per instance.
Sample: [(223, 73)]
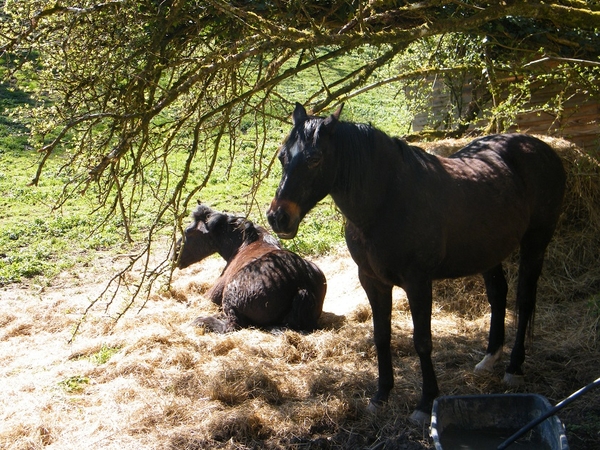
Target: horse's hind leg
[(533, 247), (497, 289), (212, 323), (305, 312), (233, 320)]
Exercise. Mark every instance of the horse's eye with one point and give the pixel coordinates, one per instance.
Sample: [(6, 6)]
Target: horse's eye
[(313, 161)]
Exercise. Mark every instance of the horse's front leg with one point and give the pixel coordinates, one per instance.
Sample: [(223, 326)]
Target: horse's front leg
[(380, 298), (419, 300)]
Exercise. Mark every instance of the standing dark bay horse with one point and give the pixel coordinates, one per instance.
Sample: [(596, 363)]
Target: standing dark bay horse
[(262, 284), (412, 217)]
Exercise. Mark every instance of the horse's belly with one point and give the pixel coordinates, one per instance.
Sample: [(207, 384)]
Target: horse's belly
[(448, 247), (475, 256), (256, 300)]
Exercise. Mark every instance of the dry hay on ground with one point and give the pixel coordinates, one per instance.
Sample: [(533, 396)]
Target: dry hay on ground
[(154, 382)]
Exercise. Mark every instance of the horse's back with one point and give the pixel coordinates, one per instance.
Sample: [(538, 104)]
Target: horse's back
[(494, 192), (529, 157), (266, 282), (529, 162), (263, 259)]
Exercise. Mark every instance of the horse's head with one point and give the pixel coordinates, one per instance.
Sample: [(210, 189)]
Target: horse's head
[(212, 231), (198, 238), (308, 170)]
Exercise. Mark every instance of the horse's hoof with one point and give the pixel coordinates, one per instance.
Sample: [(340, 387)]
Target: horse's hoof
[(198, 322), (420, 418), (514, 380), (488, 362), (374, 408)]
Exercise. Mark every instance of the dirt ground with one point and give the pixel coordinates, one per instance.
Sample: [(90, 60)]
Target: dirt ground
[(154, 382)]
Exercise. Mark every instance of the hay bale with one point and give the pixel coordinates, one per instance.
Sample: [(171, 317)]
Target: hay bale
[(573, 258)]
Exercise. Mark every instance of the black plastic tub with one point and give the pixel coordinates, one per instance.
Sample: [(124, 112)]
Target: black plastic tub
[(482, 422)]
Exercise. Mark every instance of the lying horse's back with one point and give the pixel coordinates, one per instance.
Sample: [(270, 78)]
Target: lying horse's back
[(260, 276)]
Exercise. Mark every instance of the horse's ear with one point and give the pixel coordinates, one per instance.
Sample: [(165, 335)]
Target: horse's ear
[(330, 122), (215, 221), (338, 111), (299, 114)]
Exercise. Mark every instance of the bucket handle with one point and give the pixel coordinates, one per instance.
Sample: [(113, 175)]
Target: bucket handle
[(549, 413)]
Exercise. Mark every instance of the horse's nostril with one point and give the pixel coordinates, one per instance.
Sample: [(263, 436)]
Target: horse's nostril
[(284, 219), (279, 219)]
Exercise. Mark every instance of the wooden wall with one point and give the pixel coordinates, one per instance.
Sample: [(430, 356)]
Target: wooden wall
[(579, 121)]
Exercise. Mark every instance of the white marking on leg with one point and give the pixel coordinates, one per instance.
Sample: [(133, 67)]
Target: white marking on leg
[(514, 380), (420, 418), (373, 408), (488, 362)]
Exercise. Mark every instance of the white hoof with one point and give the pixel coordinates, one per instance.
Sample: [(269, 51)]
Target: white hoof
[(373, 408), (488, 362), (514, 380), (420, 418)]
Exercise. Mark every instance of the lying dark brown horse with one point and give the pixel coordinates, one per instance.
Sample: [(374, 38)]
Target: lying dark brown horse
[(412, 217), (262, 285)]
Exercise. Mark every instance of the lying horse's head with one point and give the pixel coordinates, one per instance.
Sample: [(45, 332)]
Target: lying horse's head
[(306, 158), (211, 232)]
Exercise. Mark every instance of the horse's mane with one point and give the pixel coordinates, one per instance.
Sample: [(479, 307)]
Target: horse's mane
[(248, 231), (251, 233), (354, 138), (355, 135)]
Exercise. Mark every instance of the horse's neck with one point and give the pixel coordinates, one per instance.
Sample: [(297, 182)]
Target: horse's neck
[(230, 245), (365, 173), (242, 237)]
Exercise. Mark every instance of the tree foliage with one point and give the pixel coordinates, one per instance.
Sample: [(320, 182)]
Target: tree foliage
[(121, 86)]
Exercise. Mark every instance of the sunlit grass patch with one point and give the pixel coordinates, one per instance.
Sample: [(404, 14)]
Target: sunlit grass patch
[(74, 384)]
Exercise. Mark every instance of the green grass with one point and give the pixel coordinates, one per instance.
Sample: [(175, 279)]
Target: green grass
[(74, 384), (34, 239), (37, 242), (103, 355), (384, 107)]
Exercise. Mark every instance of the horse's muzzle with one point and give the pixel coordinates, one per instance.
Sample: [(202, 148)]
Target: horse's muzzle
[(284, 217)]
